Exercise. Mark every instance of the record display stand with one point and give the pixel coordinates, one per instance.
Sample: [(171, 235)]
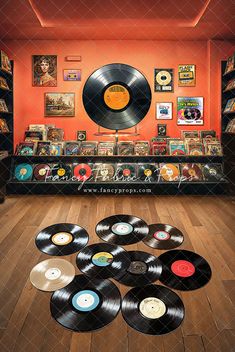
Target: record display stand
[(6, 138), (227, 138), (130, 187)]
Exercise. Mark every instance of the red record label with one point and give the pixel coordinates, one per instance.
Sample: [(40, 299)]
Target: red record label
[(161, 235), (82, 172), (183, 268), (126, 172)]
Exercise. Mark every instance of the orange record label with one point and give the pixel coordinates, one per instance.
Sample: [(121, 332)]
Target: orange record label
[(116, 97)]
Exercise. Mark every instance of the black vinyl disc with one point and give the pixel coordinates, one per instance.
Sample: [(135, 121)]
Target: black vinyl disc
[(152, 309), (143, 270), (62, 171), (102, 260), (125, 172), (192, 114), (117, 96), (122, 229), (162, 236), (61, 239), (148, 172), (184, 270), (86, 305)]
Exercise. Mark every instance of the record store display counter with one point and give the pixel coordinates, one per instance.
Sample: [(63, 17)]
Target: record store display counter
[(116, 175)]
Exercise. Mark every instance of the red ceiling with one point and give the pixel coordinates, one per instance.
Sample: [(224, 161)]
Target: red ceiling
[(109, 19)]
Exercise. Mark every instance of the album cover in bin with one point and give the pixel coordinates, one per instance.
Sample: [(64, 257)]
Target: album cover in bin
[(88, 148), (125, 148), (103, 172), (177, 147), (72, 148), (43, 148), (55, 134), (56, 149), (106, 148), (141, 148)]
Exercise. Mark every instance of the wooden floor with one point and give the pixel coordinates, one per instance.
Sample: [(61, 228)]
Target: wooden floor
[(208, 224)]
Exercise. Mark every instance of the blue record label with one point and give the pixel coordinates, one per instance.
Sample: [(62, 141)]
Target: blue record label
[(23, 172), (85, 300)]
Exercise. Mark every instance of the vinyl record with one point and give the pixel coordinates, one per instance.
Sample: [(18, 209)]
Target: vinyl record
[(85, 304), (61, 239), (162, 236), (116, 96), (82, 172), (148, 172), (169, 172), (152, 309), (122, 229), (163, 78), (125, 171), (103, 172), (41, 171), (52, 274), (184, 270), (191, 172), (143, 269), (62, 171), (102, 260), (213, 172), (23, 172), (192, 114)]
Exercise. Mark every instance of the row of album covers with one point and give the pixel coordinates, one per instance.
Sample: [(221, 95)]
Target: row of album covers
[(119, 172)]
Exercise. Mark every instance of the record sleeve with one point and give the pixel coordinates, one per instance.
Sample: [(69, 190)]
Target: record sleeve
[(125, 148), (55, 134), (33, 136), (23, 172), (72, 148), (191, 172), (26, 148), (56, 149), (106, 148), (213, 172), (230, 106), (3, 126), (88, 148), (43, 148), (169, 172), (141, 148), (177, 147)]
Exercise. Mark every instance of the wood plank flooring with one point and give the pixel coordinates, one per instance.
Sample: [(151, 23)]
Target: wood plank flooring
[(208, 224)]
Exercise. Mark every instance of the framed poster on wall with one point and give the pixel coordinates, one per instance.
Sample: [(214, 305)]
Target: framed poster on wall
[(60, 104), (186, 75), (190, 111), (164, 111)]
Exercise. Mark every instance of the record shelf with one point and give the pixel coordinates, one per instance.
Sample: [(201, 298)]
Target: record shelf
[(227, 138), (114, 187), (6, 138)]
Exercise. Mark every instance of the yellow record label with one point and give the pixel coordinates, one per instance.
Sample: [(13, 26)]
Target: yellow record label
[(62, 238), (148, 172), (116, 97), (61, 172), (23, 171), (152, 308)]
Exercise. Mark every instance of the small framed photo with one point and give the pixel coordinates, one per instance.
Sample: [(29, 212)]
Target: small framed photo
[(164, 111), (60, 104), (72, 75), (161, 129)]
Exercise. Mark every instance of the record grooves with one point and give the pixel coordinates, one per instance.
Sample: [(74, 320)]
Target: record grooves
[(144, 269), (122, 229), (102, 260), (184, 270), (85, 304), (61, 239), (152, 309), (163, 236)]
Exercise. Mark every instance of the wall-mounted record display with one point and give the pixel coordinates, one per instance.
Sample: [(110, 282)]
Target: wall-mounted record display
[(190, 111), (122, 229), (184, 270), (163, 236), (117, 96), (102, 260), (85, 304), (152, 309), (143, 269), (163, 80), (61, 239), (52, 274)]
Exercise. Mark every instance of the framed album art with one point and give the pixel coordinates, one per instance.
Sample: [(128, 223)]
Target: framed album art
[(186, 75), (190, 111), (44, 70), (60, 104), (163, 80), (72, 75), (5, 63), (164, 111)]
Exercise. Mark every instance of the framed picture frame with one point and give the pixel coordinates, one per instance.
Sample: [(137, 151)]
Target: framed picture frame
[(190, 111), (187, 75), (164, 80), (164, 111), (44, 70), (59, 104), (72, 74)]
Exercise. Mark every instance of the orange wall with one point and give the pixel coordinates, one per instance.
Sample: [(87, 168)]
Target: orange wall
[(143, 55)]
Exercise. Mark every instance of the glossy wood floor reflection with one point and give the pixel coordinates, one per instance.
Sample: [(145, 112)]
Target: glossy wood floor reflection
[(208, 224)]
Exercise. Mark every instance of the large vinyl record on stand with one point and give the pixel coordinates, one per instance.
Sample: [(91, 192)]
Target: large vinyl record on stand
[(85, 304), (117, 96)]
